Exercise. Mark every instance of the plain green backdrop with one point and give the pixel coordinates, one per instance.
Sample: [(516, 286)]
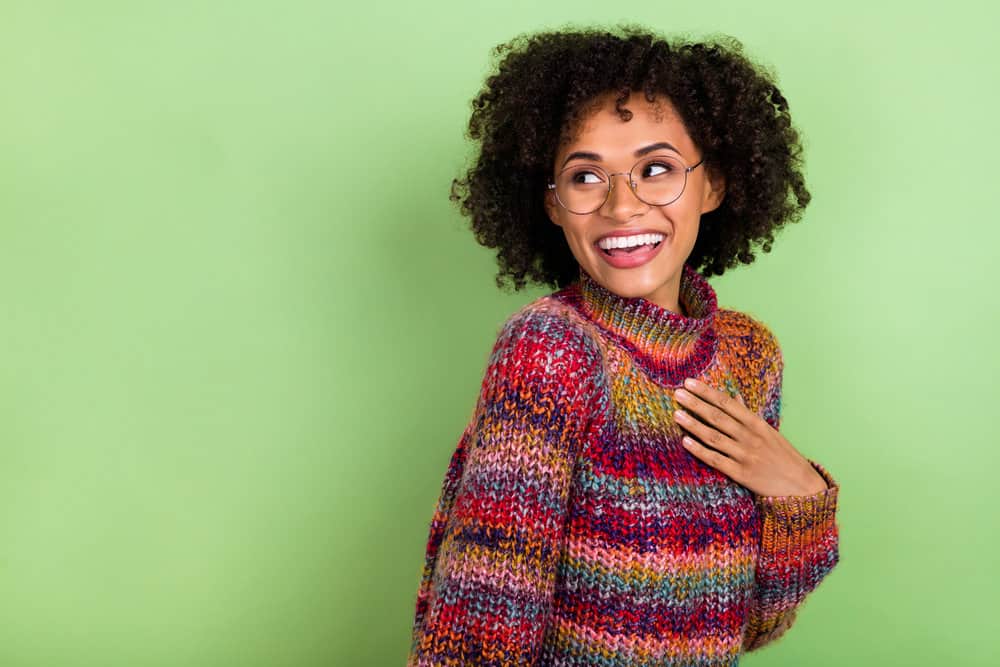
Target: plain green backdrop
[(242, 325)]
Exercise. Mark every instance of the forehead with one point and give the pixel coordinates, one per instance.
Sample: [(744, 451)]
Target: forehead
[(602, 130)]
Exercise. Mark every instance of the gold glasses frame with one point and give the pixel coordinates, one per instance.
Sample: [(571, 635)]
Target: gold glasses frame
[(631, 182)]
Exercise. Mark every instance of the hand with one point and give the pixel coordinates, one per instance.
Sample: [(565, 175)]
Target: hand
[(742, 445)]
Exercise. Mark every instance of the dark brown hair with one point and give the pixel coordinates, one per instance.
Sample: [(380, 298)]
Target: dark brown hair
[(545, 83)]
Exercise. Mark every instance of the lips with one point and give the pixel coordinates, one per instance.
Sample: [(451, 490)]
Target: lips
[(663, 236), (627, 260)]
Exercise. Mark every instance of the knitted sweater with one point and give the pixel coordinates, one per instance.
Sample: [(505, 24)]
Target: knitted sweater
[(573, 528)]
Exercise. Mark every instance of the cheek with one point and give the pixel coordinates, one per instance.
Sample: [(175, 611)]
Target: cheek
[(687, 220), (577, 241)]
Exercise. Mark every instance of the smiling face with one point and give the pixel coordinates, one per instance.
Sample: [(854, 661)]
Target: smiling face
[(612, 145)]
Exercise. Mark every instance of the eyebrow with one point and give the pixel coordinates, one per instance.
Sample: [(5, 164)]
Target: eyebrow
[(585, 155)]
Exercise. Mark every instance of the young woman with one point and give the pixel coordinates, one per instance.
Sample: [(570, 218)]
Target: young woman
[(622, 494)]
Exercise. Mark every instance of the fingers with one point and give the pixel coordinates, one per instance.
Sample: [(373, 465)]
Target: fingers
[(736, 407), (713, 458), (704, 433), (717, 409)]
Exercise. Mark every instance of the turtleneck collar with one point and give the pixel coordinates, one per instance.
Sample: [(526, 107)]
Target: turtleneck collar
[(669, 346)]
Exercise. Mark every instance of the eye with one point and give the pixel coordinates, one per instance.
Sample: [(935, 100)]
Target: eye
[(658, 168), (580, 177)]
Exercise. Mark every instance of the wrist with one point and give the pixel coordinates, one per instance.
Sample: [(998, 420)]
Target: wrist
[(814, 482)]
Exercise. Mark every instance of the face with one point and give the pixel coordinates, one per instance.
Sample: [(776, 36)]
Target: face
[(653, 273)]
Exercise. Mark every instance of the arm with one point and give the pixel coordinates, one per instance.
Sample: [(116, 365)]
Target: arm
[(497, 534), (799, 535)]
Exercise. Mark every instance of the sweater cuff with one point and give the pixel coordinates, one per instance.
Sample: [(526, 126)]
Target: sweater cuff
[(795, 514)]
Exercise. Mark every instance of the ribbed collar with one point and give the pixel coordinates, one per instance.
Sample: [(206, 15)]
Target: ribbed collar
[(669, 346)]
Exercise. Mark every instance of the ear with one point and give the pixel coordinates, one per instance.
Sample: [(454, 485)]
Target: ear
[(714, 192), (552, 207)]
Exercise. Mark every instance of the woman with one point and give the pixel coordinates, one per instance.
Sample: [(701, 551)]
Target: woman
[(622, 494)]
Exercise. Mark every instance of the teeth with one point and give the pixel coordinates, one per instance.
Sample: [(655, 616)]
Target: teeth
[(628, 241)]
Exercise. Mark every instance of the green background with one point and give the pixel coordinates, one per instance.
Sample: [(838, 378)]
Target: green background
[(242, 325)]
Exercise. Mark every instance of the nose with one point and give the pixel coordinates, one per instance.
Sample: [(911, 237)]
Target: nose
[(622, 202)]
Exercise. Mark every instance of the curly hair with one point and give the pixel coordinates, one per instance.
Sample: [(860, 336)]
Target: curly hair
[(547, 82)]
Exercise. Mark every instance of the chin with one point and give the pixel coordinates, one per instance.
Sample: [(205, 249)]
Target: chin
[(632, 281), (634, 288)]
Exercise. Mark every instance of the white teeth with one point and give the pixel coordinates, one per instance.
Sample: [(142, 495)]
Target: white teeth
[(628, 241)]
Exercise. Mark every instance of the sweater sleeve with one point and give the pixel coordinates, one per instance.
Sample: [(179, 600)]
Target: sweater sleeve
[(498, 530), (799, 542)]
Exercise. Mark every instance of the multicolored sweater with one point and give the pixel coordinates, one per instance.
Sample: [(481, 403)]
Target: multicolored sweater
[(573, 528)]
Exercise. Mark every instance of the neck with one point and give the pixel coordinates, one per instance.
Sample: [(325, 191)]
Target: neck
[(670, 345)]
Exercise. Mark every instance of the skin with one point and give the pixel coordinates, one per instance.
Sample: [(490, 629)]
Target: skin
[(615, 140), (734, 439), (739, 443)]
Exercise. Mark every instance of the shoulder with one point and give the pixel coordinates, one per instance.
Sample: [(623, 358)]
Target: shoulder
[(544, 370), (750, 347), (546, 339), (747, 333)]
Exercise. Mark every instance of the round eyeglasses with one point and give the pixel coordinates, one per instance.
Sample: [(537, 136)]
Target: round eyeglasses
[(583, 189)]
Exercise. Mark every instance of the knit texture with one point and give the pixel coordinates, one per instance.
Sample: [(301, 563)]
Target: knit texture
[(573, 528)]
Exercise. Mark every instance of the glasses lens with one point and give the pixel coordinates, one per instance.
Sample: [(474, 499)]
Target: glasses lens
[(582, 189), (659, 179)]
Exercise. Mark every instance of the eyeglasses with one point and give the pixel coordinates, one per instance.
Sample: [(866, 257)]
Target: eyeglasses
[(583, 189)]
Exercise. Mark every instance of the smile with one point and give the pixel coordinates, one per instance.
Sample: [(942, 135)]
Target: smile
[(625, 252)]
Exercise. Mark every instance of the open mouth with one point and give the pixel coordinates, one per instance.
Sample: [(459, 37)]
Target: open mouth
[(612, 252)]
